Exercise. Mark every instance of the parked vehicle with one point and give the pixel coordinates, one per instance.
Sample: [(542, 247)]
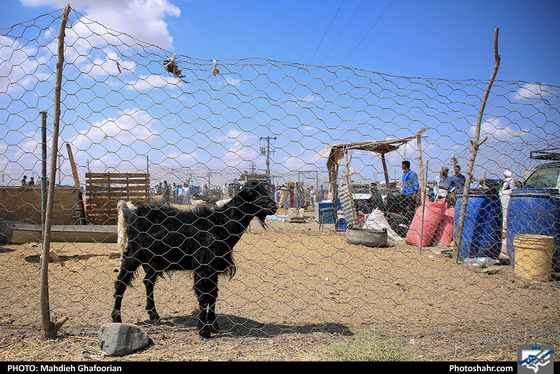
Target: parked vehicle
[(544, 176)]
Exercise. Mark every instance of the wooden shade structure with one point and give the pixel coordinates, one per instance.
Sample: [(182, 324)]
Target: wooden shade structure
[(339, 151)]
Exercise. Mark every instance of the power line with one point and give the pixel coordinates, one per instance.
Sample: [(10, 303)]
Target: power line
[(367, 33), (342, 32), (318, 46), (326, 32)]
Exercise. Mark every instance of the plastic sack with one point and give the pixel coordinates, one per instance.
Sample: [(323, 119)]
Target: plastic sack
[(376, 220), (424, 227), (444, 234)]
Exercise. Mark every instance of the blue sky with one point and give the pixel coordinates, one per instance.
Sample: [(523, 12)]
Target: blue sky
[(436, 39), (206, 122)]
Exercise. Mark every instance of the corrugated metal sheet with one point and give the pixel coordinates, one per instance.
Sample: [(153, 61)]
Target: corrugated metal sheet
[(347, 205)]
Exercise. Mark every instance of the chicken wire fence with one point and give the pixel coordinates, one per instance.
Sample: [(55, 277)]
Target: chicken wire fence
[(201, 126)]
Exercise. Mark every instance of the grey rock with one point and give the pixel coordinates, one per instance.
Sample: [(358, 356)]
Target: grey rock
[(119, 339)]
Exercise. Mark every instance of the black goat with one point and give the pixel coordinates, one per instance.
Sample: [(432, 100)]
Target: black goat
[(163, 238)]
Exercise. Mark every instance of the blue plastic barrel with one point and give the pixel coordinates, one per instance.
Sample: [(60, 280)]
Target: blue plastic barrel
[(325, 217), (534, 211), (482, 228)]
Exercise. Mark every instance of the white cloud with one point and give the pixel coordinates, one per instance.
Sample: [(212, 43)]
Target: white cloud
[(148, 82), (142, 19), (307, 159), (232, 81), (131, 126), (496, 131), (236, 136), (237, 151), (181, 160), (532, 90), (111, 65), (19, 66)]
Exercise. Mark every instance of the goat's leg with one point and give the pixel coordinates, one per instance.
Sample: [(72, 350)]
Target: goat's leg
[(206, 289), (212, 291), (128, 267), (212, 320), (149, 281)]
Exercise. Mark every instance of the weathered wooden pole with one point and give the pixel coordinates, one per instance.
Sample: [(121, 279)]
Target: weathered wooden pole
[(51, 328), (476, 143)]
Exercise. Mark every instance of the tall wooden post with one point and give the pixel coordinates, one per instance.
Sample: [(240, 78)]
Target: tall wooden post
[(50, 328), (475, 145)]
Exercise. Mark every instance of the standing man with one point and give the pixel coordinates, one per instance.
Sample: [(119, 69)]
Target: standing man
[(166, 193), (410, 190)]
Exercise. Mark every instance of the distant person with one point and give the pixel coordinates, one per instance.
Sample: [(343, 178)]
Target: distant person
[(24, 181), (166, 193), (509, 182), (284, 200), (31, 182), (320, 194), (458, 180), (443, 176), (442, 183), (409, 190)]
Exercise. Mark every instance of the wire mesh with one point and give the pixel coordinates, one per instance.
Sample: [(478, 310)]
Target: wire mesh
[(205, 125)]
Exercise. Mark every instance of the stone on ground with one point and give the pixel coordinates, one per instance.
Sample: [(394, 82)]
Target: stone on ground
[(119, 339)]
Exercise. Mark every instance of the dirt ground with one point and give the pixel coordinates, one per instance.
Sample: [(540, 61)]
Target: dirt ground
[(297, 291)]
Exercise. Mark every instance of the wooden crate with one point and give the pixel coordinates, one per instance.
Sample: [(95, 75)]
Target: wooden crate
[(104, 190)]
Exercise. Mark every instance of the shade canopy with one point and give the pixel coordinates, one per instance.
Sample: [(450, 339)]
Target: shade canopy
[(337, 152)]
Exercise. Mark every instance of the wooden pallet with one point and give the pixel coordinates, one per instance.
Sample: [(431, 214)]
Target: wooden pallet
[(104, 190)]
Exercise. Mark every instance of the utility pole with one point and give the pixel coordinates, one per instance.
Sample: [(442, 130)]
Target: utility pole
[(267, 153)]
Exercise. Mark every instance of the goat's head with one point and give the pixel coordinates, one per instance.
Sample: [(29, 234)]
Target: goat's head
[(256, 198)]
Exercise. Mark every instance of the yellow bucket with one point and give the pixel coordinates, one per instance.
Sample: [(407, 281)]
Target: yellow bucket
[(533, 256)]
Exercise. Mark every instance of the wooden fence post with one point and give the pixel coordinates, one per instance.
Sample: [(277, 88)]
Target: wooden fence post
[(50, 328), (475, 145)]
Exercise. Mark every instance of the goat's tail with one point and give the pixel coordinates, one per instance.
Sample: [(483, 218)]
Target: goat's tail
[(125, 210)]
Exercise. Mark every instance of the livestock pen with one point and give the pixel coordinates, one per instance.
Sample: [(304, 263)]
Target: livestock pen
[(299, 288)]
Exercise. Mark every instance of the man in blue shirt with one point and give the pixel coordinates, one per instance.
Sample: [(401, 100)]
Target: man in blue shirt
[(457, 181), (410, 190)]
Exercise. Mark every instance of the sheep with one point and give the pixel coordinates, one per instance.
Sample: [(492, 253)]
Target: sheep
[(163, 238)]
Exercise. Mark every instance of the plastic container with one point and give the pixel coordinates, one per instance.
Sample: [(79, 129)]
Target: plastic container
[(534, 211), (325, 217), (534, 256), (425, 223), (480, 262), (341, 224), (482, 228)]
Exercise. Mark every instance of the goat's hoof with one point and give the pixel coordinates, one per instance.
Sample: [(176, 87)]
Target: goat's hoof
[(214, 327), (154, 317), (204, 333), (116, 317)]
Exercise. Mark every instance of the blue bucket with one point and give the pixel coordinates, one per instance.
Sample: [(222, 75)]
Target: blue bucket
[(482, 228), (534, 211)]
